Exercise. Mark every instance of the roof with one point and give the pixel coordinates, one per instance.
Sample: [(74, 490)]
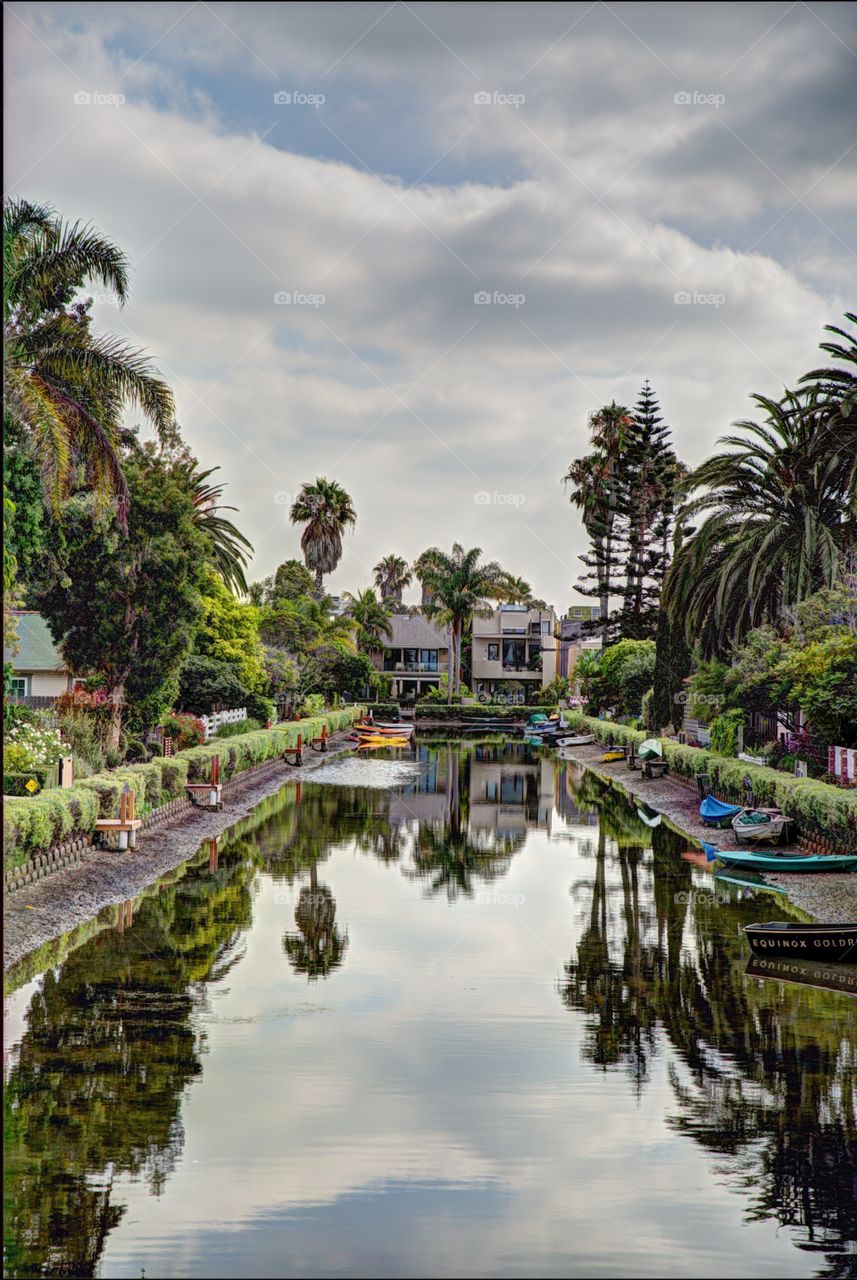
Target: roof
[(36, 648), (413, 631)]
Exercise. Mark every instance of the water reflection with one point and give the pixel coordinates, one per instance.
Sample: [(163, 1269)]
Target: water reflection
[(757, 1075)]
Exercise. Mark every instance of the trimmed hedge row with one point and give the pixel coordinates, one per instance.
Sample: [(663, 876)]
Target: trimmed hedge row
[(33, 824), (494, 710), (817, 807)]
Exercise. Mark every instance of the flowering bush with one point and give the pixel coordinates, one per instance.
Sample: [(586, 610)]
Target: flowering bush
[(185, 730), (27, 745)]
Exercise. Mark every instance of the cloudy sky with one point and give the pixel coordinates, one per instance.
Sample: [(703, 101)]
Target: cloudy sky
[(413, 246)]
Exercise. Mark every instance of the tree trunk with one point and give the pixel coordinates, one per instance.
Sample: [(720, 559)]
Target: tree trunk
[(319, 585), (114, 726)]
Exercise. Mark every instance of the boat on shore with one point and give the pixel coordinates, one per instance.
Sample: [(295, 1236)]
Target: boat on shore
[(651, 749), (581, 740), (834, 942), (617, 753), (714, 813), (785, 861), (760, 825)]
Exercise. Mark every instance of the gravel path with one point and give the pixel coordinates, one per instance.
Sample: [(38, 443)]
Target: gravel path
[(53, 906), (828, 897)]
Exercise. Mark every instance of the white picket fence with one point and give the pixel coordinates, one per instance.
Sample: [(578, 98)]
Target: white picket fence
[(217, 718)]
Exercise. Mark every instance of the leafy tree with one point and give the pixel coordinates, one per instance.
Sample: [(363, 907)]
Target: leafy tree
[(126, 608), (326, 511), (206, 683), (229, 632), (229, 548), (617, 677), (291, 581), (66, 387)]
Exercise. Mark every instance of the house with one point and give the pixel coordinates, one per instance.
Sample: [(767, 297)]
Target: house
[(514, 649), (416, 655), (578, 616), (39, 671)]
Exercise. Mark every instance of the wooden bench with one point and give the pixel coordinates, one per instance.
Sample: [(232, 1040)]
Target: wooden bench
[(296, 752), (654, 768), (212, 790), (320, 744), (125, 827)]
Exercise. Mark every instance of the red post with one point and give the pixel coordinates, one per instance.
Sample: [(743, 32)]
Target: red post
[(215, 771)]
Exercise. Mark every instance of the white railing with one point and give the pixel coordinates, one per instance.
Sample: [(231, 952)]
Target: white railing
[(217, 718)]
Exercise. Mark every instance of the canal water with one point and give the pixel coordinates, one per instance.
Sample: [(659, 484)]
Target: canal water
[(464, 1012)]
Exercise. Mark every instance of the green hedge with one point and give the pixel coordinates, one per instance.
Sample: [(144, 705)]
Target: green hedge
[(817, 807), (32, 824), (471, 711)]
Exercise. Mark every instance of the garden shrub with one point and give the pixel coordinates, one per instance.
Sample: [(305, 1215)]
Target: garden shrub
[(32, 824), (724, 732), (237, 727)]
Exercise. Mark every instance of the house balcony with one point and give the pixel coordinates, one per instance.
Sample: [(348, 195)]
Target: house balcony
[(411, 668)]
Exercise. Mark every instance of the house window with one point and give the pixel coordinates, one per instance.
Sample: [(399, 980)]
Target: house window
[(577, 613), (546, 628), (428, 659), (18, 686), (493, 653)]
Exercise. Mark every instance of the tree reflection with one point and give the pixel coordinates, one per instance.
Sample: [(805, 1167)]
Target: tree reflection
[(318, 948), (109, 1048), (764, 1074)]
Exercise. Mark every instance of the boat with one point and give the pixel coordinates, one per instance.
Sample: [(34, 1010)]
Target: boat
[(582, 740), (714, 813), (760, 824), (834, 942), (615, 754), (651, 749), (806, 973), (750, 881), (400, 730), (788, 862), (383, 741)]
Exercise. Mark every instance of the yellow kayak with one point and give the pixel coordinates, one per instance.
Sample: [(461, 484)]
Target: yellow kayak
[(612, 755), (383, 742)]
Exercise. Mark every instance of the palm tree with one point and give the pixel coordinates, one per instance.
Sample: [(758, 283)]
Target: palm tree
[(326, 511), (392, 575), (65, 387), (229, 547), (839, 388), (517, 590), (371, 618), (459, 587), (597, 484), (779, 509)]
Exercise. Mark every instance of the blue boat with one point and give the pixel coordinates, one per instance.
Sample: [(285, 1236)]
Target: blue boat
[(786, 861), (714, 813)]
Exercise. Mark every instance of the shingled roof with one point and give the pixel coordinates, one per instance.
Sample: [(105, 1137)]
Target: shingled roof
[(36, 648)]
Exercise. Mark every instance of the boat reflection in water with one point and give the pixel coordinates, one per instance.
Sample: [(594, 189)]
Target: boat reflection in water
[(807, 973), (449, 1024)]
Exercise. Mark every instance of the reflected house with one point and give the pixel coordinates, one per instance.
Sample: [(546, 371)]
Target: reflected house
[(574, 640), (514, 647), (416, 655), (567, 799), (426, 800), (509, 795)]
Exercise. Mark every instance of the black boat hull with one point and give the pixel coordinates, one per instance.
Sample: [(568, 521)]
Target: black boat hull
[(834, 944)]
